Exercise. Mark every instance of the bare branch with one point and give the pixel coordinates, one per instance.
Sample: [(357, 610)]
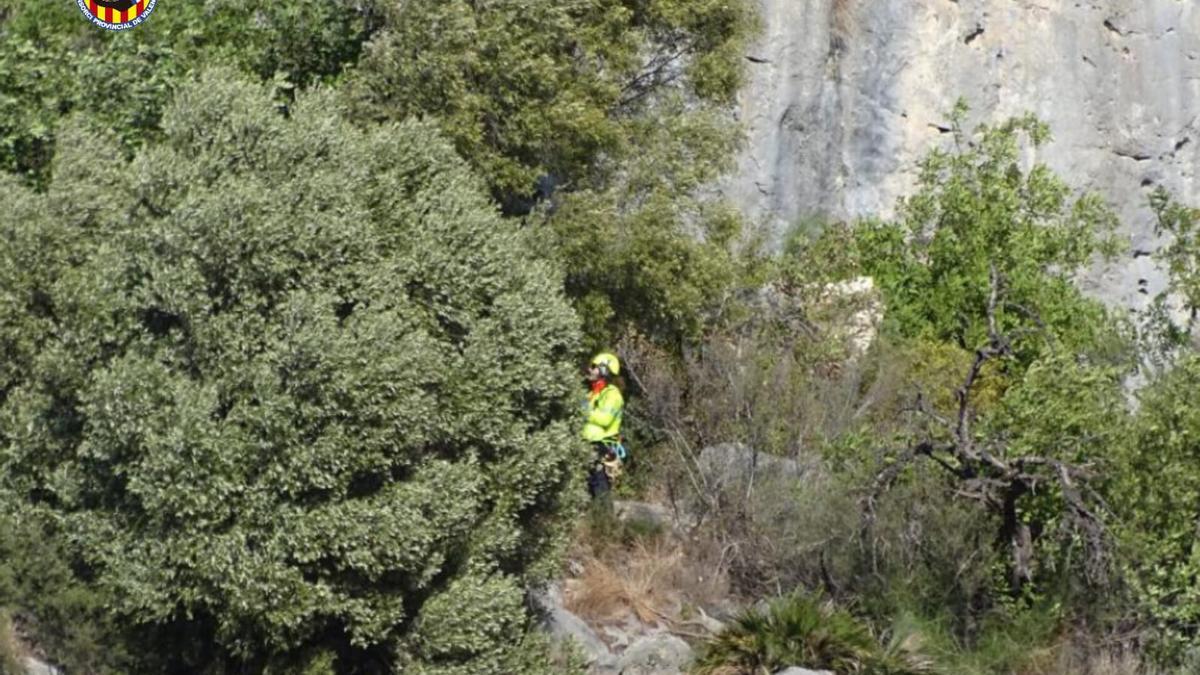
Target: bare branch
[(990, 477)]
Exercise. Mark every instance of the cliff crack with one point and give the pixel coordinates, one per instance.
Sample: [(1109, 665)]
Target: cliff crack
[(1135, 156), (973, 35)]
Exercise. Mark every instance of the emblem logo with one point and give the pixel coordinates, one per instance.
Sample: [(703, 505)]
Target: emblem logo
[(116, 14)]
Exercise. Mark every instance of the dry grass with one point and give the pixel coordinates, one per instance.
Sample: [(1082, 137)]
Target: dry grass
[(1104, 664), (1067, 657), (1119, 665), (644, 586), (656, 581)]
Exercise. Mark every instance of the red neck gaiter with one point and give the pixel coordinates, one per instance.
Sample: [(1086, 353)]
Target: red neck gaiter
[(598, 386)]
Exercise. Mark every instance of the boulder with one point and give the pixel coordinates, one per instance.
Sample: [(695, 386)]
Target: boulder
[(564, 626), (34, 666), (655, 515), (662, 654), (733, 462)]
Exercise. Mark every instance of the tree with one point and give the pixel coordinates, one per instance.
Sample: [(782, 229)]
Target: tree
[(546, 90), (977, 213), (1159, 494), (981, 258), (645, 253), (285, 389), (604, 117), (1170, 321)]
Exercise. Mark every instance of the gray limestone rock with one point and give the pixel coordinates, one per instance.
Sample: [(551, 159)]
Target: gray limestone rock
[(844, 96), (733, 462), (654, 515), (662, 654), (562, 625), (34, 666)]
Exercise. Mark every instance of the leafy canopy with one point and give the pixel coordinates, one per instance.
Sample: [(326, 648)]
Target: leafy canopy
[(1158, 493), (53, 62), (978, 211), (253, 374), (547, 88), (604, 117), (1026, 412)]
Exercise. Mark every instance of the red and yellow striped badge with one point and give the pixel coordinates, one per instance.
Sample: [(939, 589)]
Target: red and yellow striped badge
[(116, 14)]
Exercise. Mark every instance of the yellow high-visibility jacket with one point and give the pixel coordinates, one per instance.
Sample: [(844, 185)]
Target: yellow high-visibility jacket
[(604, 412)]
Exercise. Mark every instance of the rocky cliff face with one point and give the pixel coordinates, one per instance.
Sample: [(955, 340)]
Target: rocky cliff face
[(845, 95)]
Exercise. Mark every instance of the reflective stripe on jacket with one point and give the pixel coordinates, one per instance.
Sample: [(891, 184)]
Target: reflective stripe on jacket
[(604, 415)]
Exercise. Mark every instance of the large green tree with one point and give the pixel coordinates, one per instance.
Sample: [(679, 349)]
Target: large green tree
[(545, 88), (284, 387), (606, 116), (981, 260), (979, 213)]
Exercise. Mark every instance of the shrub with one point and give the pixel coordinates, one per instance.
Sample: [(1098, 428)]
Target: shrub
[(1159, 494), (551, 91), (978, 213), (798, 630), (46, 599)]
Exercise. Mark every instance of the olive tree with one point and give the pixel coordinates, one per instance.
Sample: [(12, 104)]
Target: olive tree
[(288, 387)]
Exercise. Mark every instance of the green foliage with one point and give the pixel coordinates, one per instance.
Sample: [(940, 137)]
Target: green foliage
[(250, 374), (614, 107), (616, 102), (53, 62), (1159, 494), (547, 88), (1170, 321), (1064, 408), (642, 268), (1014, 640), (38, 583), (642, 249), (10, 650), (799, 630), (976, 211), (1182, 254), (979, 265), (10, 663)]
